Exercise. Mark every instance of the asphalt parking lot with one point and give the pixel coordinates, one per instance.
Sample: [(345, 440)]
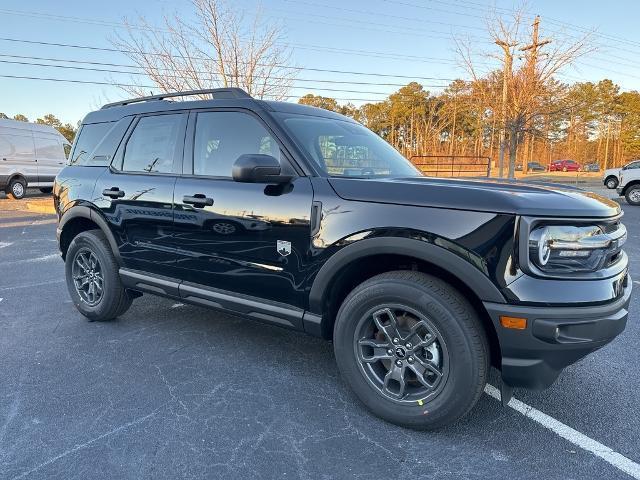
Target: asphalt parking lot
[(176, 391)]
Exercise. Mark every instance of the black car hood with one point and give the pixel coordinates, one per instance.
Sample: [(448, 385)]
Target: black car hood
[(484, 195)]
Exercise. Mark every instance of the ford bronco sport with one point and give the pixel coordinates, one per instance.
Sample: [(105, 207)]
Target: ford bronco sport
[(303, 218)]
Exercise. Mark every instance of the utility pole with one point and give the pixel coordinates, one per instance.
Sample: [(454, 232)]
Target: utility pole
[(531, 71), (532, 58), (506, 79)]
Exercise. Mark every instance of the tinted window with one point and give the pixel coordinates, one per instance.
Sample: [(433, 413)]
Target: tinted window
[(154, 144), (346, 149), (86, 141), (221, 137), (633, 165)]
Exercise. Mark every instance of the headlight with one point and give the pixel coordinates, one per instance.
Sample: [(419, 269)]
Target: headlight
[(569, 249)]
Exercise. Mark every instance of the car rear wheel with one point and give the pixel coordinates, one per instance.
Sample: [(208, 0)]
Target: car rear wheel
[(17, 188), (412, 349), (611, 182), (633, 195), (92, 277)]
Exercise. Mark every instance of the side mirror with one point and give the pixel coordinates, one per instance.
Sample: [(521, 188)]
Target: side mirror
[(258, 168)]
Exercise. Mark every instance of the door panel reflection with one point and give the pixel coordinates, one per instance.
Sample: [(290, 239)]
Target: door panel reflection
[(253, 240)]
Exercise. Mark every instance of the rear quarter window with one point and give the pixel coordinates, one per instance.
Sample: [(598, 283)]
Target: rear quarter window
[(88, 139)]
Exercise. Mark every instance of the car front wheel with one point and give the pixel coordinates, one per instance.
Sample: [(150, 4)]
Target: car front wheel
[(633, 195), (412, 348), (92, 277)]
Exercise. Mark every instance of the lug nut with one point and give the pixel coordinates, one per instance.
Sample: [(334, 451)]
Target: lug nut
[(410, 359), (398, 363), (408, 345), (395, 340), (389, 352)]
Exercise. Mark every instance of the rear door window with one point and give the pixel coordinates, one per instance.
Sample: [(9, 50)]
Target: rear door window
[(155, 144)]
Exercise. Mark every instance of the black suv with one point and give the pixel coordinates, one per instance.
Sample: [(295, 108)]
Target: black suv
[(303, 218)]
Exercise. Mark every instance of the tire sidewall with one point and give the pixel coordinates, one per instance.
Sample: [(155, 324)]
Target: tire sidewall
[(611, 183), (628, 196), (463, 373), (110, 275)]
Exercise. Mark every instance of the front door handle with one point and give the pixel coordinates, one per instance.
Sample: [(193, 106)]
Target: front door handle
[(113, 192), (198, 200)]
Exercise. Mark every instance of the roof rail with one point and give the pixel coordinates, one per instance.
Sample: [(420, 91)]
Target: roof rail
[(216, 93)]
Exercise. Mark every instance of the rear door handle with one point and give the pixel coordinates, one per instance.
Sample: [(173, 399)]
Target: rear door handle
[(198, 200), (113, 192)]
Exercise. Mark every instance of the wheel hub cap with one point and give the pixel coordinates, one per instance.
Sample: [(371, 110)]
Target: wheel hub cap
[(401, 354), (87, 277)]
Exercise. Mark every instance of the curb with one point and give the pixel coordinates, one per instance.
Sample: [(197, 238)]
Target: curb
[(41, 208)]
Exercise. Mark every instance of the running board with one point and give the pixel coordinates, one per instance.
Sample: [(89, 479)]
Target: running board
[(244, 305)]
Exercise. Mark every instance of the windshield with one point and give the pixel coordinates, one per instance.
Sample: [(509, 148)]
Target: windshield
[(346, 149)]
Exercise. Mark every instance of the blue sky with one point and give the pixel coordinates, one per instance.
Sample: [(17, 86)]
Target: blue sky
[(411, 38)]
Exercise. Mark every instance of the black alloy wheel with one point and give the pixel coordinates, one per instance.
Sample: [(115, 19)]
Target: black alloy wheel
[(87, 277), (401, 353)]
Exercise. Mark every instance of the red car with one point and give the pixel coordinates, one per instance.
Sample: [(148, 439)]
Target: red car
[(564, 166)]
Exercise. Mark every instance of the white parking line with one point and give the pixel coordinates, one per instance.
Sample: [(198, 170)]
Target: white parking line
[(619, 461)]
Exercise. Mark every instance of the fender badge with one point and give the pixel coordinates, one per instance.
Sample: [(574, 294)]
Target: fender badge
[(283, 247)]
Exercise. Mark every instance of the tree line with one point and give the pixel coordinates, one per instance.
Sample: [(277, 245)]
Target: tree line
[(590, 122)]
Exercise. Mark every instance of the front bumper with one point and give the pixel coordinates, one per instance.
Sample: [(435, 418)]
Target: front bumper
[(555, 337)]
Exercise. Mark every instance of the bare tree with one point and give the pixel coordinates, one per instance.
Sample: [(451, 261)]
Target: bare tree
[(527, 75), (220, 48)]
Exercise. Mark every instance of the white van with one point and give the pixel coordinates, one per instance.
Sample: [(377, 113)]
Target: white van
[(31, 155)]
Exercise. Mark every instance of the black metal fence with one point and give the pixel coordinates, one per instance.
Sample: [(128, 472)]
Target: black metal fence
[(453, 165)]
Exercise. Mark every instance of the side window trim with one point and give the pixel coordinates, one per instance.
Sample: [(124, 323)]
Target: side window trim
[(117, 164), (286, 159)]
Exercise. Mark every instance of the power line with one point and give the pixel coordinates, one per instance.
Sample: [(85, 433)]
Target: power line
[(210, 79), (376, 54), (506, 11), (88, 82), (286, 67), (124, 65), (302, 46)]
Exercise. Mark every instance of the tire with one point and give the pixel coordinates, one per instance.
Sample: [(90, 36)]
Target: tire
[(632, 195), (17, 188), (46, 190), (611, 183), (564, 169), (461, 347), (226, 227), (113, 300)]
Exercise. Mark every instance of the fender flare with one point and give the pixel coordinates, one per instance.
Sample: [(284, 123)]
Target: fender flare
[(439, 256), (81, 211)]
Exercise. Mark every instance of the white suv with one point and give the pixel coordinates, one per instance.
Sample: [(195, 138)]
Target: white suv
[(629, 185), (611, 177)]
